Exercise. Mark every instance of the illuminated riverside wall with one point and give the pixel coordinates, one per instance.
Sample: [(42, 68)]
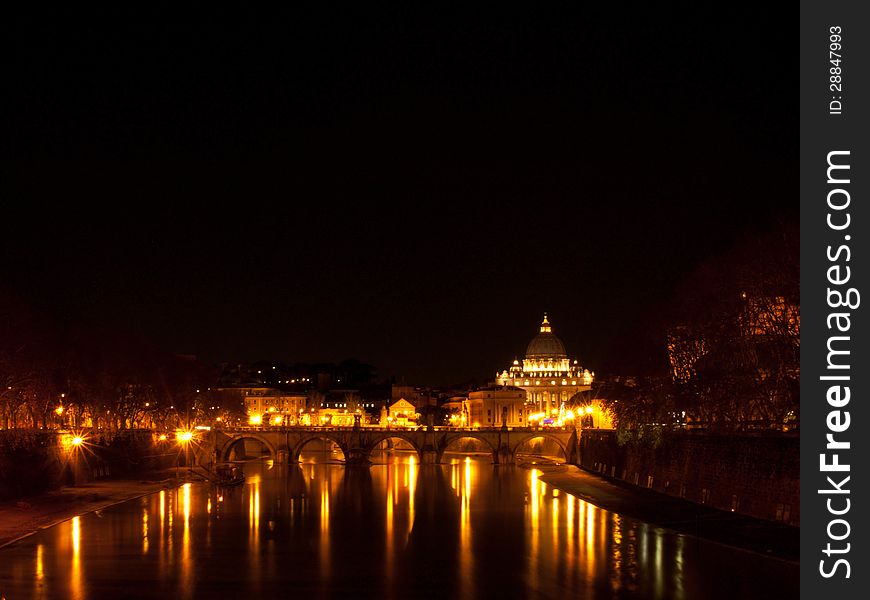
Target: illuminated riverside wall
[(36, 461), (756, 475)]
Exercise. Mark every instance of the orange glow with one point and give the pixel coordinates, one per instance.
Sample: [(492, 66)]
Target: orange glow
[(76, 575), (40, 572), (144, 531)]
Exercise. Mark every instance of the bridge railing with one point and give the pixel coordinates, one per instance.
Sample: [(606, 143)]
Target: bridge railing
[(292, 428)]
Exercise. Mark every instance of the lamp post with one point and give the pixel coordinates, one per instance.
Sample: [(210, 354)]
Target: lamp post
[(184, 438)]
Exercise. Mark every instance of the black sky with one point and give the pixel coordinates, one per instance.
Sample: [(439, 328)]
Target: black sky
[(412, 189)]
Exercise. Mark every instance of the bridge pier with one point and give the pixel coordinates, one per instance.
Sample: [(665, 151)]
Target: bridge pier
[(429, 456), (357, 456), (503, 455)]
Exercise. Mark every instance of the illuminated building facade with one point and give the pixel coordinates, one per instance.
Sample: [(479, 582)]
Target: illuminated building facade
[(550, 379), (495, 406), (268, 406)]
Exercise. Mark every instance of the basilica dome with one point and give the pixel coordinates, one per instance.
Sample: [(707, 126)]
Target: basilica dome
[(546, 345)]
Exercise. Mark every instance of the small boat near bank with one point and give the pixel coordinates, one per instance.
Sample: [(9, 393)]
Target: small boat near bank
[(228, 474)]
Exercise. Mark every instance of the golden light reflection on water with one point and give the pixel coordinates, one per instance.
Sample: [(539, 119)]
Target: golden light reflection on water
[(534, 516), (388, 566), (412, 488), (186, 562), (76, 588), (162, 502), (466, 557), (324, 529), (590, 529), (616, 557), (562, 546), (253, 513), (144, 531), (40, 571), (569, 534), (170, 513)]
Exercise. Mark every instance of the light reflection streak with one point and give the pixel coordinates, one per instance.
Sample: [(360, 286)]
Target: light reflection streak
[(601, 533), (162, 509), (161, 538), (170, 511), (388, 564), (412, 486), (76, 575), (254, 513), (591, 511), (641, 545), (466, 559), (40, 572), (569, 531), (144, 531), (324, 529), (616, 577), (658, 575), (678, 569), (558, 550), (534, 514), (186, 562)]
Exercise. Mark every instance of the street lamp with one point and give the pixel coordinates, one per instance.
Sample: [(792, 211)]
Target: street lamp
[(184, 438)]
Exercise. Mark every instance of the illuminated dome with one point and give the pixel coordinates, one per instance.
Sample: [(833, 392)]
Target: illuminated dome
[(546, 345)]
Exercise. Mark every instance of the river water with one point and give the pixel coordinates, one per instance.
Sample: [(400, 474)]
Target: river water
[(467, 529)]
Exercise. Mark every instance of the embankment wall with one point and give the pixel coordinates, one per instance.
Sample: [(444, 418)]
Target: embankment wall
[(756, 475)]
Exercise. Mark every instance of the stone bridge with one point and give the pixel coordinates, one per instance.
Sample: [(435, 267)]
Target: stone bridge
[(357, 443)]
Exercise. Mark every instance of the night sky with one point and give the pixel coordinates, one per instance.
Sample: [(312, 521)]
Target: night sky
[(413, 189)]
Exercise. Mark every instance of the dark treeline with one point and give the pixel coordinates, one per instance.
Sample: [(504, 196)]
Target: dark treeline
[(56, 375), (723, 353)]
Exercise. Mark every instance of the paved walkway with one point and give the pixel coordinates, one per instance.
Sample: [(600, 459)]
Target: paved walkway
[(757, 535), (20, 518)]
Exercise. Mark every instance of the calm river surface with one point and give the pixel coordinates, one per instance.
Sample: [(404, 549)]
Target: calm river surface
[(397, 530)]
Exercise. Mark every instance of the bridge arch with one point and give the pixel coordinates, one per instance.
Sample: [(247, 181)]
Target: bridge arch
[(563, 446), (450, 439), (394, 436), (224, 452), (296, 452)]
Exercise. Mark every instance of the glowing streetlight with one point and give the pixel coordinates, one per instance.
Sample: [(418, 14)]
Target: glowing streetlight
[(183, 438), (77, 440)]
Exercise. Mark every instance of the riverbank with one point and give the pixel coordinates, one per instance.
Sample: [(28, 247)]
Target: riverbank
[(748, 533), (23, 517)]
